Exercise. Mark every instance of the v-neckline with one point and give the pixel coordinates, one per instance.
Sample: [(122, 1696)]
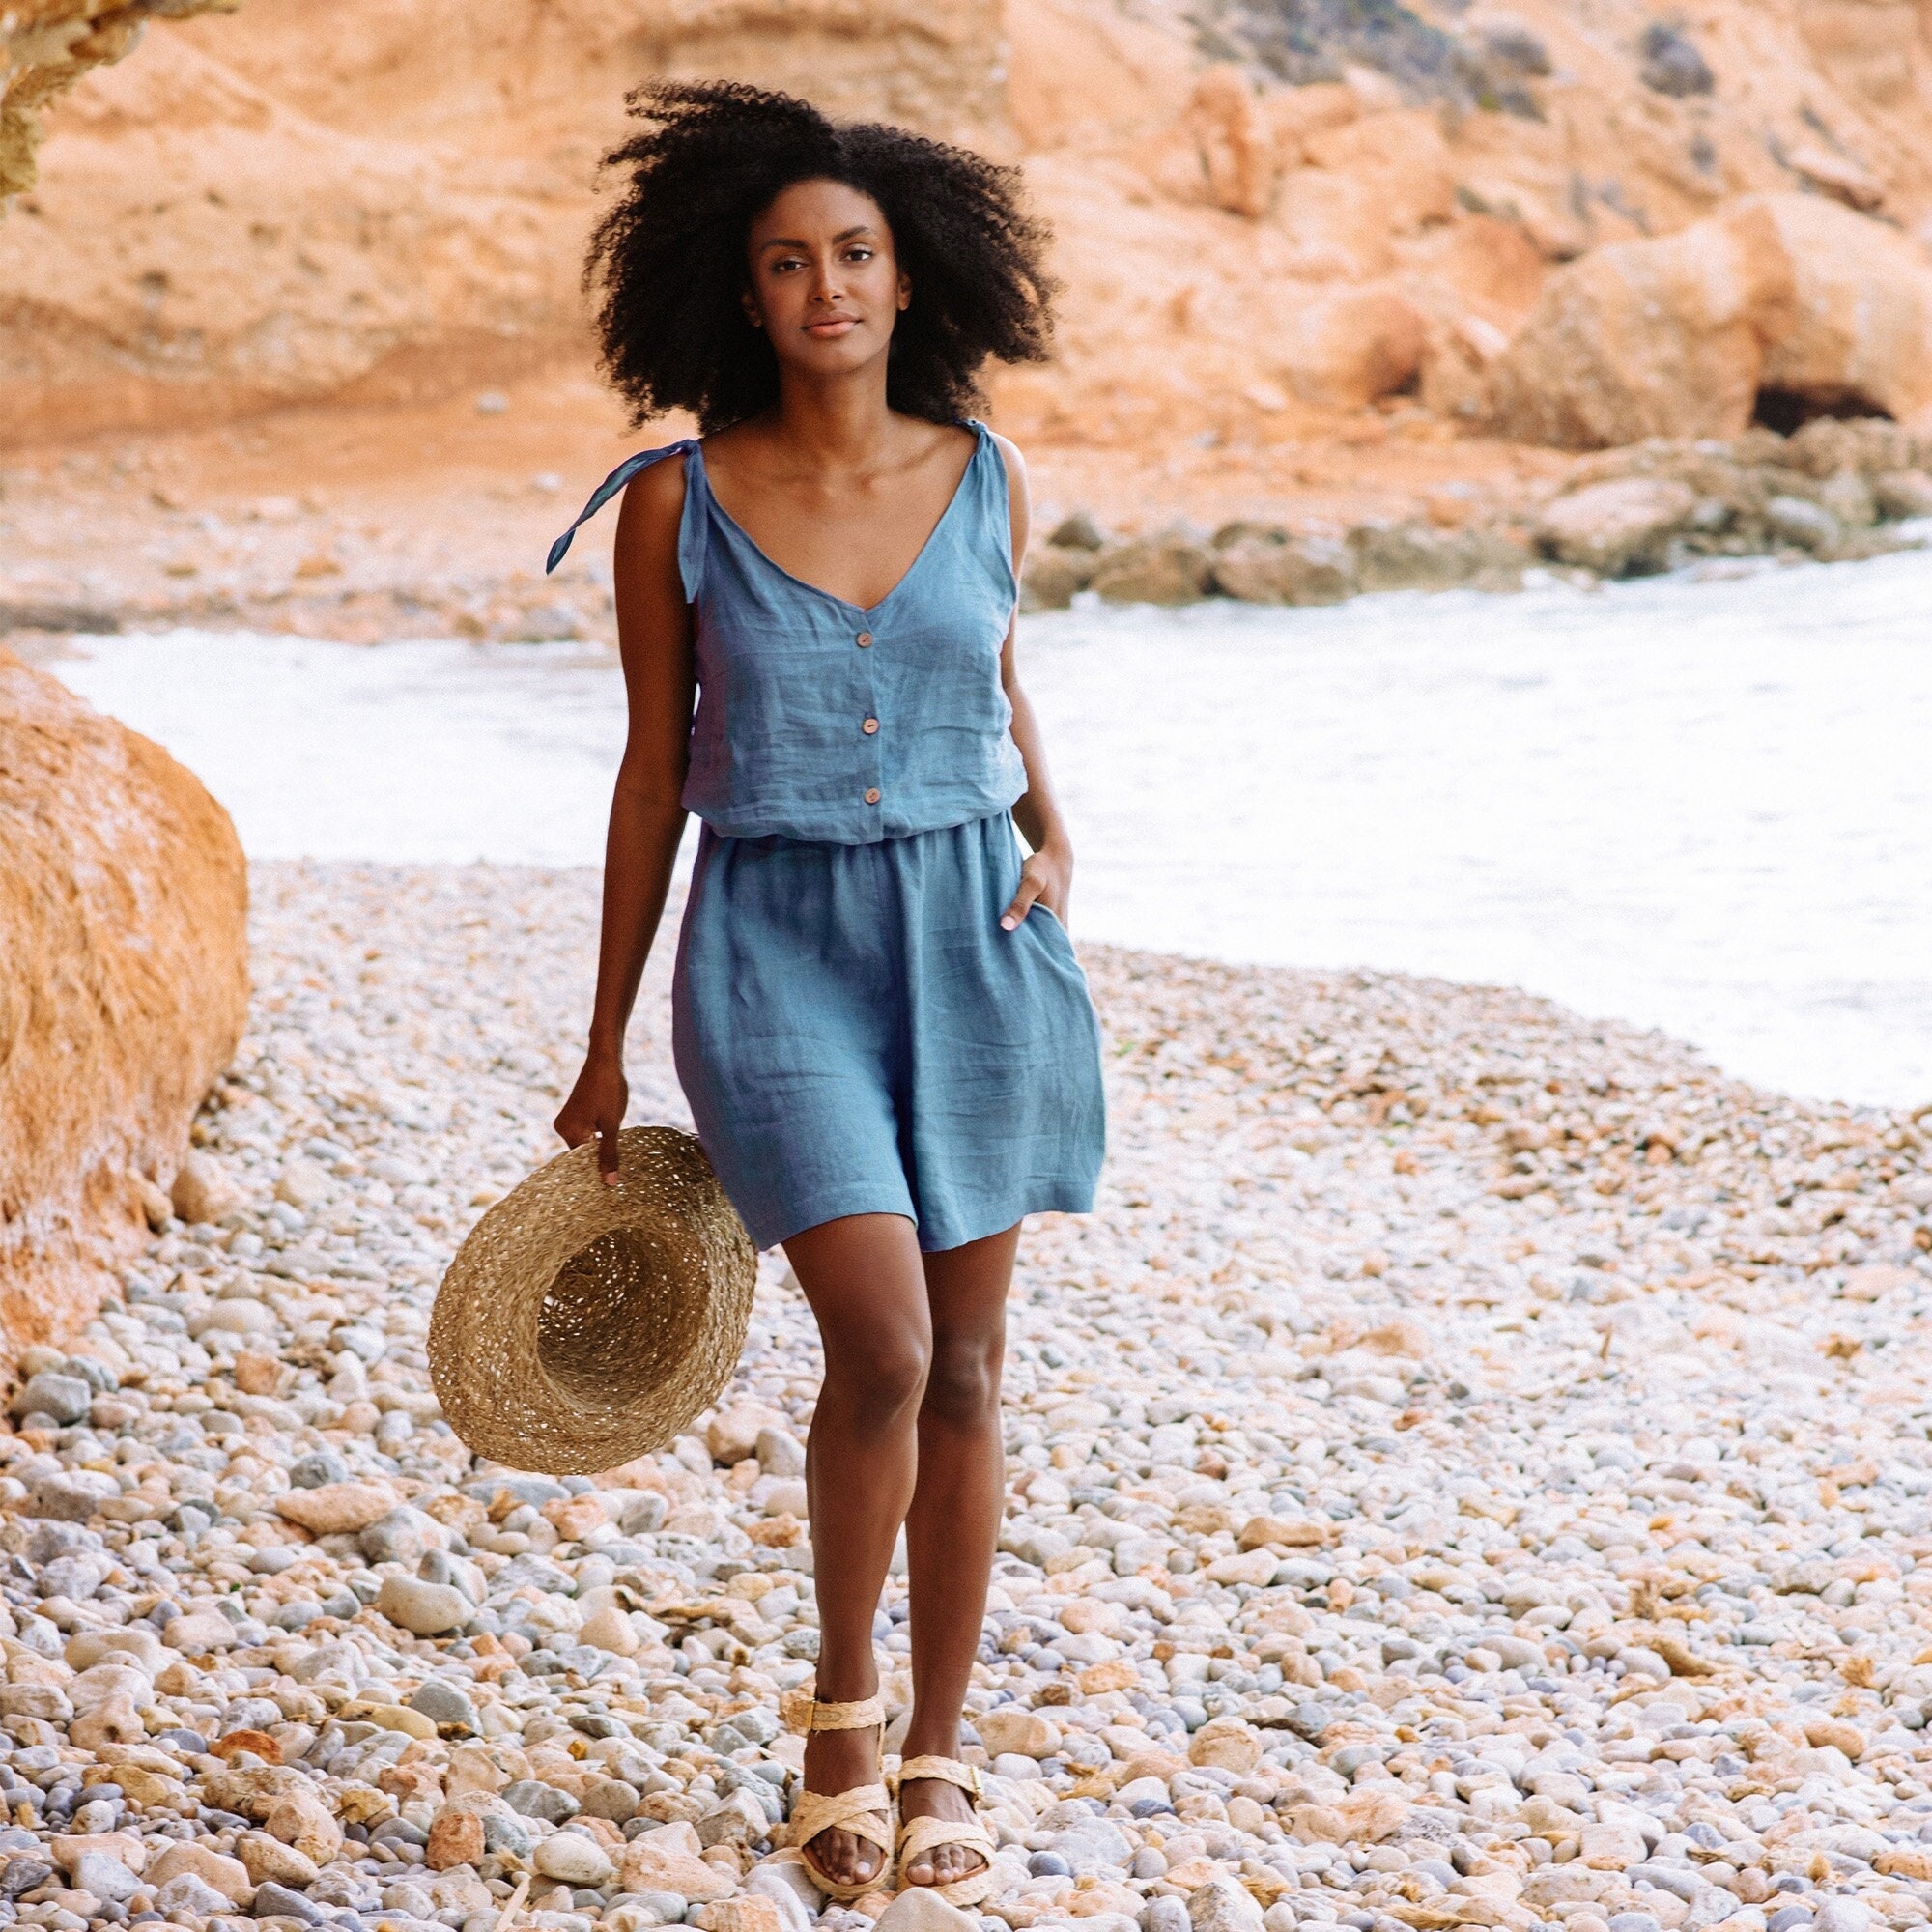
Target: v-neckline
[(818, 591)]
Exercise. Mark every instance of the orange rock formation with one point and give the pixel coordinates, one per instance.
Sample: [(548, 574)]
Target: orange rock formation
[(124, 984), (1270, 217), (46, 45)]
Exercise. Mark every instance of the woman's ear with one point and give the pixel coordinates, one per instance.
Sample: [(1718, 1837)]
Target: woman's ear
[(905, 292), (751, 314)]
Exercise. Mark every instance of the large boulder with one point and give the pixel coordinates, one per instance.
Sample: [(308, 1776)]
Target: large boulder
[(1347, 349), (124, 984), (1678, 337)]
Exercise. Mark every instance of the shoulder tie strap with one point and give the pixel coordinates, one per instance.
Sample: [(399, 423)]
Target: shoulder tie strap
[(610, 487)]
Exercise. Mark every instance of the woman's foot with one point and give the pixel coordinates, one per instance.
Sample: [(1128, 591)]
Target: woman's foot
[(837, 1761), (943, 1865)]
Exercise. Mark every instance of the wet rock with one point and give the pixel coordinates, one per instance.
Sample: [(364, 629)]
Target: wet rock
[(1167, 568), (1616, 529), (1288, 570), (1794, 519), (1406, 556), (1052, 576), (1903, 493)]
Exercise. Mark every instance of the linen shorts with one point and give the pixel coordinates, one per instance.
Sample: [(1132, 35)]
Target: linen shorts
[(856, 1034)]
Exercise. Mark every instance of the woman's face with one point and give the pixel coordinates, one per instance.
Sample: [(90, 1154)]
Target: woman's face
[(825, 285)]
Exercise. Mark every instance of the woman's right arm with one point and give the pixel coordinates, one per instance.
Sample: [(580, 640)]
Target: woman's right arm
[(654, 636)]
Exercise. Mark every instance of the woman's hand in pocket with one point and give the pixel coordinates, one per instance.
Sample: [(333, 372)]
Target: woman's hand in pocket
[(1046, 878)]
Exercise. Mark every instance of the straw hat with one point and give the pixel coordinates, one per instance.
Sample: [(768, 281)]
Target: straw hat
[(581, 1324)]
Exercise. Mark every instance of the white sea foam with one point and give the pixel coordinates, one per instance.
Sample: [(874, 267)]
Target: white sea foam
[(1706, 806)]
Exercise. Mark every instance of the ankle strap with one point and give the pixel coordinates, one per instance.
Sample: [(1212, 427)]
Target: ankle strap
[(805, 1715), (942, 1770)]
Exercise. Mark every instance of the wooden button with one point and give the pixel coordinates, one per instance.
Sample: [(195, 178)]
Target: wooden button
[(864, 639), (870, 726), (872, 796)]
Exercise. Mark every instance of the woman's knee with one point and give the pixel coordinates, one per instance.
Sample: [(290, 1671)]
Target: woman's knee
[(884, 1370), (962, 1387)]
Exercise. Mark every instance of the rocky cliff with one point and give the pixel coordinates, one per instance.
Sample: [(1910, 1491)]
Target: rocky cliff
[(1275, 215), (124, 984), (46, 45)]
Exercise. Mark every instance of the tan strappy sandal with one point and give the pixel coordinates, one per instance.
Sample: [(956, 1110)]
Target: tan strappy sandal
[(865, 1809), (918, 1836)]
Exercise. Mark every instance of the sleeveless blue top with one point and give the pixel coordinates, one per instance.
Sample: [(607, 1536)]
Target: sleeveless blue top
[(817, 719)]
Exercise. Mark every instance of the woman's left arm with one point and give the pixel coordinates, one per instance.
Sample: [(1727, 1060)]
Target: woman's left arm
[(1047, 874)]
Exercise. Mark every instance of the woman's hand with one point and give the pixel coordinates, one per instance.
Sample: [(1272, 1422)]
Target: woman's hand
[(1046, 878), (595, 1110)]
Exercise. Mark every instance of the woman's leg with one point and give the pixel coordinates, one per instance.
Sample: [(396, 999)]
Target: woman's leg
[(863, 1276), (954, 1526)]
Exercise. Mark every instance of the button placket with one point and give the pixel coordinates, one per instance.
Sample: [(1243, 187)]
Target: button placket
[(868, 725)]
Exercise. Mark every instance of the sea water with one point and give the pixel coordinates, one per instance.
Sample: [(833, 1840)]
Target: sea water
[(1700, 805)]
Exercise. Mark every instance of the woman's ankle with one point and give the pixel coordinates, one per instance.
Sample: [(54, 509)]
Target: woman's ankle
[(938, 1740)]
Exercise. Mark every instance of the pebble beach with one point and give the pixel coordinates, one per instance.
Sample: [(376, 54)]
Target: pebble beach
[(1473, 1468)]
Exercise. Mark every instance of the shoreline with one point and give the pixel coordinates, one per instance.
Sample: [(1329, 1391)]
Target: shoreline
[(371, 525), (1518, 1512)]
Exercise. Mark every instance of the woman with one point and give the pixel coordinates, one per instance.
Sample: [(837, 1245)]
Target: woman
[(878, 1020)]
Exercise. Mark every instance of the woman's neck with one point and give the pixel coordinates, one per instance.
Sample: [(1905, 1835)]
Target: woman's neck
[(843, 423)]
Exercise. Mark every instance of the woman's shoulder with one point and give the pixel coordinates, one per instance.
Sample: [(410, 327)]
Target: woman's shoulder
[(656, 487), (1010, 455)]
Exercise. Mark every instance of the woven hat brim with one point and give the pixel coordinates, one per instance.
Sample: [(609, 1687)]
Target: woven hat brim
[(582, 1325)]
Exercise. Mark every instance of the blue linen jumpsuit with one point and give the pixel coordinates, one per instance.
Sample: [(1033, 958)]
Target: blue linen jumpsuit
[(853, 1031)]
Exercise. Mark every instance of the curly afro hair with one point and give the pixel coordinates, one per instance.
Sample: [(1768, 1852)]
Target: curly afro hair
[(668, 261)]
